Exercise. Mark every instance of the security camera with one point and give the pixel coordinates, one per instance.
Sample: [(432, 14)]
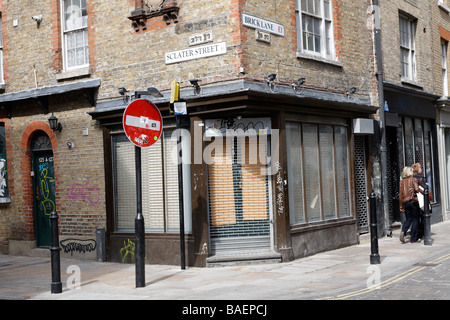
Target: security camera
[(38, 18)]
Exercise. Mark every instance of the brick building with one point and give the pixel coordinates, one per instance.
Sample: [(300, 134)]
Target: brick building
[(289, 82), (441, 37), (410, 52)]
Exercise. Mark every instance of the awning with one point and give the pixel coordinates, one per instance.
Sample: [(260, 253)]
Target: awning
[(87, 88)]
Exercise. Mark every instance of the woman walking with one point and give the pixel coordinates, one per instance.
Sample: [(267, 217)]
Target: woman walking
[(409, 186)]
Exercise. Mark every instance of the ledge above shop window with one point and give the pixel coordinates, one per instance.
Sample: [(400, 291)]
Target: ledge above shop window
[(411, 83), (146, 9), (301, 55), (72, 74)]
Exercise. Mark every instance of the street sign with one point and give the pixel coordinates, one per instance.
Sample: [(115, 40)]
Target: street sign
[(142, 123)]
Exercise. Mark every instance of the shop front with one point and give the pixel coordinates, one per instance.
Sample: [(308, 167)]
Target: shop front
[(411, 138), (267, 176)]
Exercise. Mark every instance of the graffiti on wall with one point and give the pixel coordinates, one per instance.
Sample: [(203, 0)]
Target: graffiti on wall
[(3, 180), (127, 251), (78, 245), (44, 181), (83, 192)]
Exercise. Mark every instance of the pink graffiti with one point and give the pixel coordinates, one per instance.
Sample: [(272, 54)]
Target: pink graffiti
[(84, 193)]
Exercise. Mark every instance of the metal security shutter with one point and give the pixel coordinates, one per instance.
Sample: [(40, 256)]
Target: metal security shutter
[(239, 206), (159, 185), (361, 185)]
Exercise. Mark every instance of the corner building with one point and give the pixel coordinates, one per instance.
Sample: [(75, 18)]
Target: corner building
[(275, 156)]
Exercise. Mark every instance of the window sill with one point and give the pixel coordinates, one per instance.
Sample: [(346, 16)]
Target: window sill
[(411, 83), (444, 7), (5, 200), (319, 225), (301, 55), (72, 74)]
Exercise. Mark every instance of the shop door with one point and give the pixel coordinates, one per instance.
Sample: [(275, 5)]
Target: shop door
[(43, 187), (239, 198)]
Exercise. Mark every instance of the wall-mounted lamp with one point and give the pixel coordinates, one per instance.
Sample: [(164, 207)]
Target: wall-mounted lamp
[(70, 145), (122, 91), (150, 92), (299, 83), (197, 88), (154, 92), (270, 79), (351, 91), (54, 124)]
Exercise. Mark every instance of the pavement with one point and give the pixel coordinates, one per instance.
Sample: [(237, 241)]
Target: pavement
[(337, 274)]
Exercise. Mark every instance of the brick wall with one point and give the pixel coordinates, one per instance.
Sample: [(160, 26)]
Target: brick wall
[(122, 57), (440, 30), (420, 10)]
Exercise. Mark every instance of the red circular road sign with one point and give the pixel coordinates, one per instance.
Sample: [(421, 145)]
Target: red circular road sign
[(142, 123)]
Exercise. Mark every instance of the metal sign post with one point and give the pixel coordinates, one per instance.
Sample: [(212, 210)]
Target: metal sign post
[(179, 109), (142, 123)]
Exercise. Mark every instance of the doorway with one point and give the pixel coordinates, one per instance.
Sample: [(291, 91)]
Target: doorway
[(43, 187)]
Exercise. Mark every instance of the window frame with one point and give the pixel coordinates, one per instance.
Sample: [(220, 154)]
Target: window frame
[(327, 42), (410, 47), (165, 222), (444, 65), (64, 37), (302, 217)]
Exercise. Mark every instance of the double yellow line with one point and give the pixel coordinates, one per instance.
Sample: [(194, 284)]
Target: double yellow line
[(388, 282)]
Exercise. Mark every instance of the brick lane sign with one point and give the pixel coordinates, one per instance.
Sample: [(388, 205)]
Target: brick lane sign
[(142, 123), (262, 24)]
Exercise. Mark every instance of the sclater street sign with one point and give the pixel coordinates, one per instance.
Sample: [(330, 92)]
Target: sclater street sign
[(142, 123)]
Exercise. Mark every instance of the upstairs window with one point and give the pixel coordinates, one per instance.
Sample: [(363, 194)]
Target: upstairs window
[(444, 45), (407, 47), (75, 35), (315, 28)]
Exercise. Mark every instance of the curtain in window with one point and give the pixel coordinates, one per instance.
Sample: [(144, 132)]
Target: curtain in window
[(75, 33)]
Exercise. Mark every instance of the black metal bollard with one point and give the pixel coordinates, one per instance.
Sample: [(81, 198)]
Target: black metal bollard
[(374, 256), (426, 218), (56, 286), (140, 251)]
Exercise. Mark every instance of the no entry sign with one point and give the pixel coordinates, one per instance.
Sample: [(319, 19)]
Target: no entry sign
[(142, 123)]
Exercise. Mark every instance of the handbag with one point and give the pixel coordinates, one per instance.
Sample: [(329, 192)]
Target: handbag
[(421, 199)]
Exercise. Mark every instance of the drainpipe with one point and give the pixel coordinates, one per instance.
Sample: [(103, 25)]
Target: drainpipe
[(383, 148)]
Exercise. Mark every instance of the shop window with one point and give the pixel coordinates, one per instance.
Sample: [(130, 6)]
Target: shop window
[(4, 186), (415, 145), (160, 204), (318, 172)]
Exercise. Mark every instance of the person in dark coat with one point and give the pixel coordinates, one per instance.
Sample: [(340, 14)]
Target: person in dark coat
[(417, 173)]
